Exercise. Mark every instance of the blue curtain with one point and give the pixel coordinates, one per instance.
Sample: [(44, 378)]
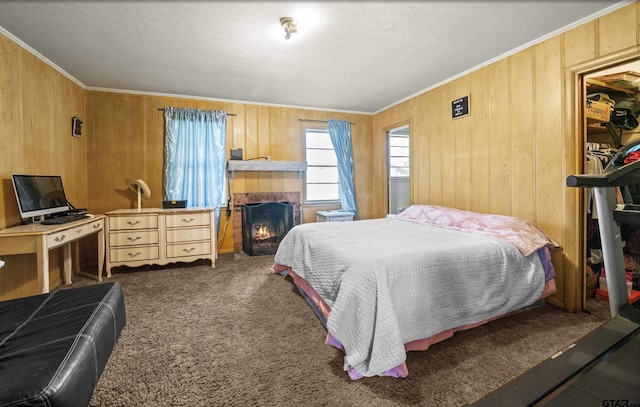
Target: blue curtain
[(195, 147), (340, 133)]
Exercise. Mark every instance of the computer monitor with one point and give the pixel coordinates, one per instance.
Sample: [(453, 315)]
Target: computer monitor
[(39, 195)]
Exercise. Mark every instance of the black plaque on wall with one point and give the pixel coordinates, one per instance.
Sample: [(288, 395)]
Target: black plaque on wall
[(460, 107)]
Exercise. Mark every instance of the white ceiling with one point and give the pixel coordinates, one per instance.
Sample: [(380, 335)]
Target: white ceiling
[(361, 56)]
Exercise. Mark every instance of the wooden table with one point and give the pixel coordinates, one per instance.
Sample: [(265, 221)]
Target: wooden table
[(39, 239)]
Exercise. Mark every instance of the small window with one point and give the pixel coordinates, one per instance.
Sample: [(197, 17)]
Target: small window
[(322, 181), (398, 156)]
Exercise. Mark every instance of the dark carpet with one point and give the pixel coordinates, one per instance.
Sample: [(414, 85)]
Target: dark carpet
[(237, 335)]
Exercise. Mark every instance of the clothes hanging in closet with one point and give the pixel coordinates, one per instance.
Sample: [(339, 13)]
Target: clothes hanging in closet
[(598, 157)]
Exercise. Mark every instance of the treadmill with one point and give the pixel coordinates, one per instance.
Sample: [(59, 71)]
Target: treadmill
[(603, 367)]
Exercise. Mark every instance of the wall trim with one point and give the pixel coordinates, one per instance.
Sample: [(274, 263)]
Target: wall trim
[(41, 57), (468, 71)]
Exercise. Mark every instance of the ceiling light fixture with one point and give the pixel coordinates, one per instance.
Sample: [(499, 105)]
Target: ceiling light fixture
[(289, 25)]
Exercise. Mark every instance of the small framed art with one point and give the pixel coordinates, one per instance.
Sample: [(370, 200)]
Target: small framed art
[(76, 127)]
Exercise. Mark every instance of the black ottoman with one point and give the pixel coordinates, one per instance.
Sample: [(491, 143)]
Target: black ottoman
[(54, 347)]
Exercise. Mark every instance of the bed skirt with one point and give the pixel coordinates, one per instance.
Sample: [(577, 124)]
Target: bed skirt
[(322, 310)]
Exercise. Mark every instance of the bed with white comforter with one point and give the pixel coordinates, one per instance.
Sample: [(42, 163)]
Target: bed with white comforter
[(385, 284)]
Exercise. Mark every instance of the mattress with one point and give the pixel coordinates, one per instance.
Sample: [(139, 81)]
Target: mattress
[(54, 347)]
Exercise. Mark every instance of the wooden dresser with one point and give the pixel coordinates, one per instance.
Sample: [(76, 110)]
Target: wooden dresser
[(159, 236)]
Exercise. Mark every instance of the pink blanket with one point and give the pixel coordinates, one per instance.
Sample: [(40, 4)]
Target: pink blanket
[(526, 236)]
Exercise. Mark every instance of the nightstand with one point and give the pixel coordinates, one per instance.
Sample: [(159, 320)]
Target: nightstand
[(334, 216)]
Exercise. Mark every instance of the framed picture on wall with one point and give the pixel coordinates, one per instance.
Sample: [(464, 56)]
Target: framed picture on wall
[(76, 127), (460, 107)]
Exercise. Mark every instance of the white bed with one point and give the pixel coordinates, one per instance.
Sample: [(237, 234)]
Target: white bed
[(390, 285)]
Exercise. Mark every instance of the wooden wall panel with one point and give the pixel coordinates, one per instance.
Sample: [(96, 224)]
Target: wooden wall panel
[(580, 44), (435, 141), (501, 162), (36, 107), (550, 180), (618, 30), (11, 137), (522, 136), (127, 139), (481, 152), (448, 145), (460, 155), (517, 137)]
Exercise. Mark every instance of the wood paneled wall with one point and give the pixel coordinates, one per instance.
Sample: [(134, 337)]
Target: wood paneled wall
[(36, 107), (126, 139), (512, 154)]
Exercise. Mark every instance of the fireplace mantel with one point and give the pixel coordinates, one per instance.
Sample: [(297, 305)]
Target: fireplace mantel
[(266, 165)]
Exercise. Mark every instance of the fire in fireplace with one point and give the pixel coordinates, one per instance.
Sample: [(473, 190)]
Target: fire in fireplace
[(264, 225)]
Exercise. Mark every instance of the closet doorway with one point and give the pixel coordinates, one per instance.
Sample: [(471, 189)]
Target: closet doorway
[(607, 85), (398, 171)]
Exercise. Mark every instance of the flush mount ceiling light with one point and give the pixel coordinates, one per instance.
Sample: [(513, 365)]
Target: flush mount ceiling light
[(289, 25)]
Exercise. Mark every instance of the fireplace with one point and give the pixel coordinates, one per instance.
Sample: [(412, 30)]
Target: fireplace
[(264, 225), (240, 199)]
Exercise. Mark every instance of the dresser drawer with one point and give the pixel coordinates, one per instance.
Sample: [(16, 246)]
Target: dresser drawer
[(64, 236), (188, 249), (187, 219), (133, 222), (135, 238), (188, 234), (128, 254)]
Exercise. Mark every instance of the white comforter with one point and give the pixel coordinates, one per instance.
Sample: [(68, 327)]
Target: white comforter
[(389, 282)]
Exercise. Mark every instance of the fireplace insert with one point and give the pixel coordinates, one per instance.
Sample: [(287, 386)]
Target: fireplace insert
[(264, 225)]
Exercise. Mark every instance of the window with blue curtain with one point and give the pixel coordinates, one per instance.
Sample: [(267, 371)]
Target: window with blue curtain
[(340, 133), (322, 181), (195, 147)]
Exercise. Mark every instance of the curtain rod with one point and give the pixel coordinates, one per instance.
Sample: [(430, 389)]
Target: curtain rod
[(228, 114), (319, 121)]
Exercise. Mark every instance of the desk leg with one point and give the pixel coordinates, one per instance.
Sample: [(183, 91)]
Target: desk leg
[(101, 255), (42, 263), (67, 263)]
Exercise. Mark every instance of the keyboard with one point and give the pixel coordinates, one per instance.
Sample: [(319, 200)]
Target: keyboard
[(64, 219)]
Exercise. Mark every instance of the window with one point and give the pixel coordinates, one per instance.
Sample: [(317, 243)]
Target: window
[(322, 183), (398, 156)]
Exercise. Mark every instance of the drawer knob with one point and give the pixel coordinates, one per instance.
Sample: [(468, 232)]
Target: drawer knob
[(133, 223), (132, 255), (133, 239), (96, 226), (189, 250), (60, 238), (188, 220)]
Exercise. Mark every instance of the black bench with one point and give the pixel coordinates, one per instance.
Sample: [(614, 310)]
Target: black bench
[(54, 347)]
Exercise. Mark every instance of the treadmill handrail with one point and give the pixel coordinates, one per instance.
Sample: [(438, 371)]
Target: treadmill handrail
[(614, 178)]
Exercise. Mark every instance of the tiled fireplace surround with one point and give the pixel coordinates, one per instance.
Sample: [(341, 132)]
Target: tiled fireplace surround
[(256, 197)]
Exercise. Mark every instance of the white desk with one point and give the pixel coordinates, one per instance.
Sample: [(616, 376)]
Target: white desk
[(39, 239)]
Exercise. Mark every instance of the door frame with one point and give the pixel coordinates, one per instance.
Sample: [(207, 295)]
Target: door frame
[(388, 133), (385, 131), (575, 139)]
